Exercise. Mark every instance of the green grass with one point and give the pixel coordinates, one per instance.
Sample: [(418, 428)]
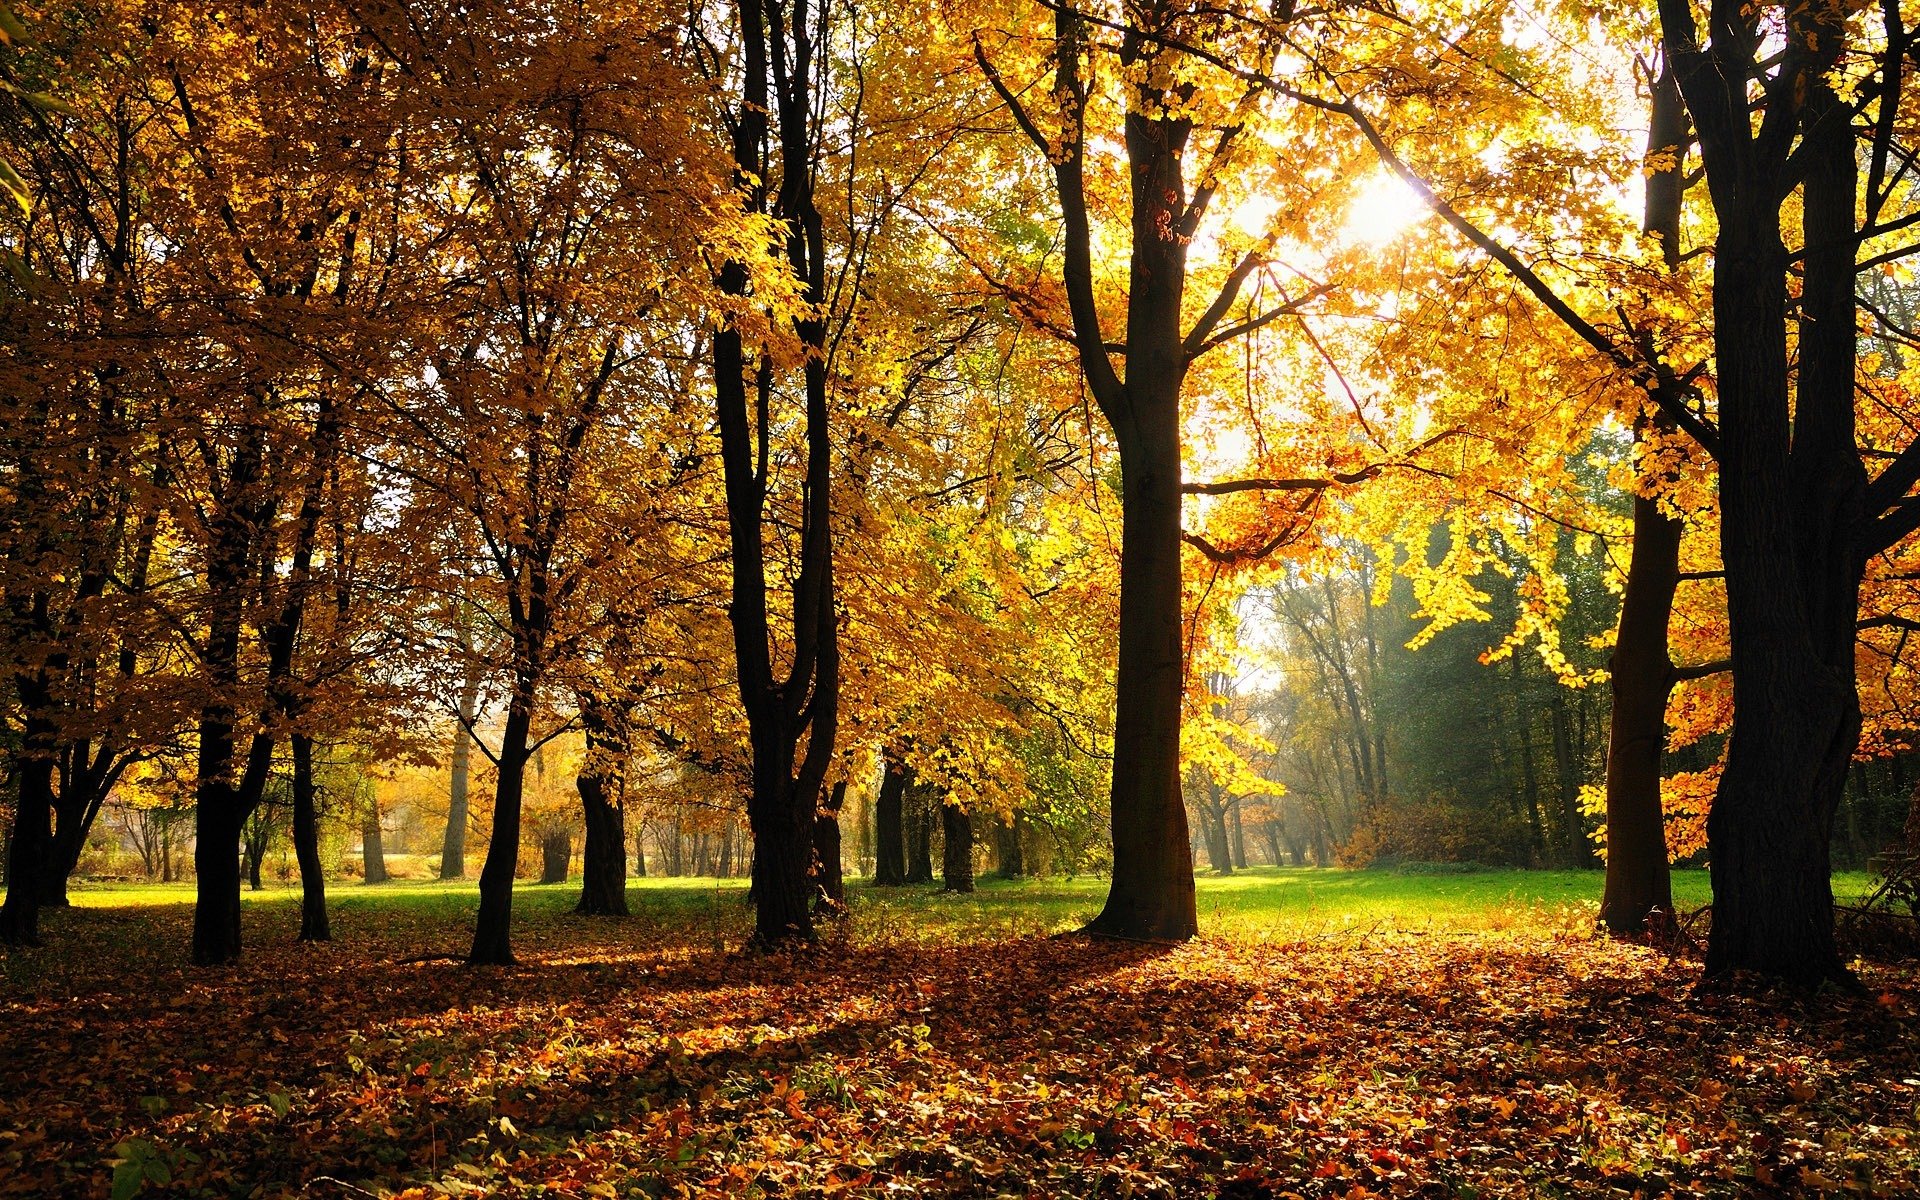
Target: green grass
[(1260, 903)]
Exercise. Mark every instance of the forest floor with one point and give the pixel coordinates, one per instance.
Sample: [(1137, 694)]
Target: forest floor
[(1333, 1034)]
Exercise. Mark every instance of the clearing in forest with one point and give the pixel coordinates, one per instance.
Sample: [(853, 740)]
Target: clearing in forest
[(938, 1046)]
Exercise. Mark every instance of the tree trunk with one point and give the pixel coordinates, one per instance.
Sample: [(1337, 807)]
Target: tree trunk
[(801, 708), (1239, 833), (29, 845), (890, 835), (829, 873), (1576, 849), (556, 855), (957, 861), (1638, 898), (453, 848), (919, 823), (1011, 855), (373, 852), (1151, 894), (253, 848), (601, 782), (492, 943), (306, 845)]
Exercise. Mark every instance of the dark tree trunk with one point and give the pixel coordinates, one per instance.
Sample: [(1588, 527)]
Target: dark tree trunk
[(1151, 893), (957, 860), (1639, 891), (1575, 848), (556, 855), (919, 822), (1638, 899), (829, 873), (890, 835), (603, 858), (801, 708), (492, 930), (453, 847), (306, 845), (253, 847), (28, 847), (1011, 854), (1794, 528)]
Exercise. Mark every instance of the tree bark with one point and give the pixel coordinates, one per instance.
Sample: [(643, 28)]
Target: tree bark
[(1008, 849), (829, 873), (453, 847), (919, 823), (373, 850), (890, 835), (801, 708), (492, 943), (601, 782), (1638, 898), (957, 859), (29, 846), (306, 845), (556, 855)]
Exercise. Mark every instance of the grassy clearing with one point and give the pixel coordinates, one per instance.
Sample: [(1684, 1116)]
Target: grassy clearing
[(1261, 903)]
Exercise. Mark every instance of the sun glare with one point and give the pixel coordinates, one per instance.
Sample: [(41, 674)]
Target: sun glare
[(1382, 210)]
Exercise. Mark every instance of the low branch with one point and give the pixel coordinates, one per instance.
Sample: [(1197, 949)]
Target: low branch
[(1702, 670)]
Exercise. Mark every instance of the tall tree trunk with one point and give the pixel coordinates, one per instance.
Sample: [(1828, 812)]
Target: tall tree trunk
[(919, 822), (1578, 852), (492, 942), (1795, 528), (957, 859), (801, 708), (602, 786), (556, 854), (1008, 848), (453, 847), (890, 835), (373, 848), (306, 845), (1239, 835), (829, 873), (1638, 898), (29, 846)]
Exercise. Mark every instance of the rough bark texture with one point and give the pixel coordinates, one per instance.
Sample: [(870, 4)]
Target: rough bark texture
[(1792, 483), (889, 825), (956, 861), (306, 845)]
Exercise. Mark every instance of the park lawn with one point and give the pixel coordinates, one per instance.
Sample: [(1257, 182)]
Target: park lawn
[(1331, 1034), (1258, 903)]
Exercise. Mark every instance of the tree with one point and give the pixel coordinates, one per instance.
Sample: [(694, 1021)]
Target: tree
[(790, 700)]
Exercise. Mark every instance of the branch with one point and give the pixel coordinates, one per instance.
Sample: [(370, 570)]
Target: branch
[(1279, 485), (1702, 670)]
